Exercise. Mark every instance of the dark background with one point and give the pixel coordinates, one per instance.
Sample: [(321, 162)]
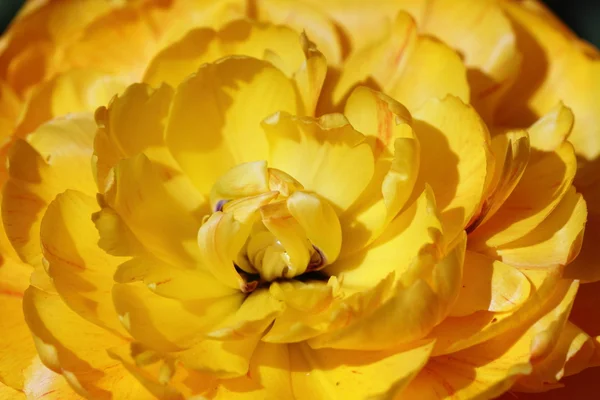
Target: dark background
[(583, 16)]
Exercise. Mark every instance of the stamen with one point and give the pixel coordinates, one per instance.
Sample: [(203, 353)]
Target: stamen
[(220, 204), (317, 260)]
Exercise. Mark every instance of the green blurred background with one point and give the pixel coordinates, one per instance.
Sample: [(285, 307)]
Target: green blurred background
[(583, 16)]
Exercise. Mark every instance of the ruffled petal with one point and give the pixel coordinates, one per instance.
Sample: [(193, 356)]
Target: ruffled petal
[(15, 342), (557, 67), (490, 285), (233, 96), (74, 91), (81, 272), (456, 159), (282, 46), (168, 324), (75, 348), (328, 373), (322, 154), (544, 183), (406, 313), (406, 66), (56, 158), (397, 250), (491, 368)]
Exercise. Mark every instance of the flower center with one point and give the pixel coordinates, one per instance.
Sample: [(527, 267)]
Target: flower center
[(283, 231)]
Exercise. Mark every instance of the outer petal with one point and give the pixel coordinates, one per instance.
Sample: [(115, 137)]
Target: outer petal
[(81, 272), (455, 159), (168, 324), (57, 158), (384, 122), (489, 369), (15, 343), (77, 90), (490, 285), (233, 96), (556, 240), (353, 374), (408, 313), (75, 348), (457, 333), (321, 154), (546, 180), (409, 68), (397, 250), (137, 190), (280, 45), (557, 66), (303, 17), (483, 36)]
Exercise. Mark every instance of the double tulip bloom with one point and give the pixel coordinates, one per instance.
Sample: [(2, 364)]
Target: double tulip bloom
[(297, 200)]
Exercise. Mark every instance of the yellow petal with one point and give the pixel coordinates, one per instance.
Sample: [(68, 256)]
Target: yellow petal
[(81, 271), (410, 312), (511, 151), (408, 67), (75, 348), (223, 359), (171, 281), (484, 37), (137, 190), (457, 333), (570, 74), (556, 240), (319, 222), (45, 383), (74, 91), (220, 240), (321, 154), (253, 317), (303, 17), (15, 341), (234, 95), (551, 130), (455, 159), (396, 150), (571, 354), (546, 180), (491, 368), (490, 285), (396, 250), (306, 314), (280, 45), (133, 122), (57, 158), (353, 374), (375, 114), (167, 324), (243, 180)]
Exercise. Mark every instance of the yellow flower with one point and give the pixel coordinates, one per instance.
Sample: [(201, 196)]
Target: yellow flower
[(258, 219)]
